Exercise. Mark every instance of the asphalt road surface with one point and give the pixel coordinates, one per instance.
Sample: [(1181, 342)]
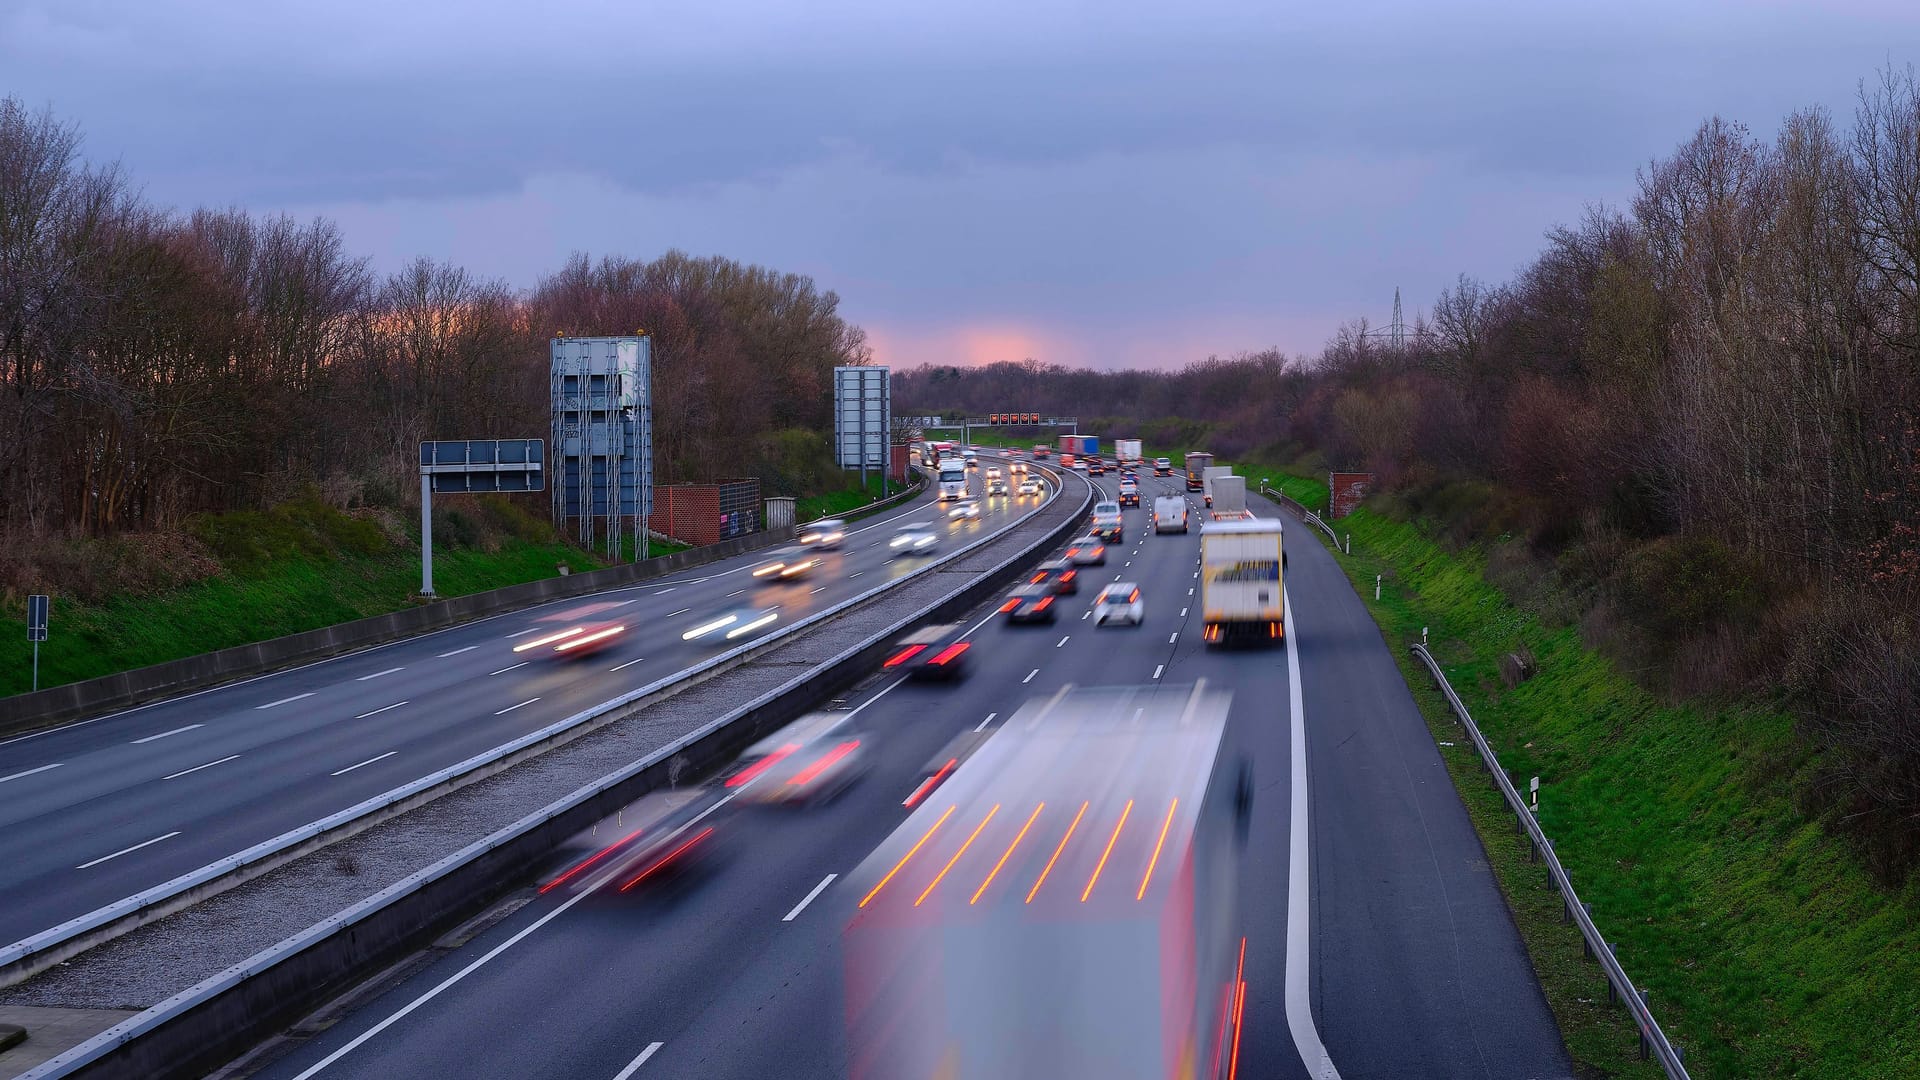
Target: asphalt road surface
[(727, 963), (96, 811)]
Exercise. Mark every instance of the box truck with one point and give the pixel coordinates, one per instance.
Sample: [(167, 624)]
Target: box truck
[(1127, 452), (1207, 477), (1229, 497), (1241, 592)]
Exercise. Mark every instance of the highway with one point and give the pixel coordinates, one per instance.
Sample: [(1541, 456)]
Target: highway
[(99, 810), (727, 963)]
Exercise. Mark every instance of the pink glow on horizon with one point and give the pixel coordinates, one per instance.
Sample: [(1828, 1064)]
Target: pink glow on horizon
[(1168, 346)]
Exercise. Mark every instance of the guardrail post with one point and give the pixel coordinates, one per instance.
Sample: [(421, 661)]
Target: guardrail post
[(1613, 992), (1585, 945), (1645, 1050), (1554, 881)]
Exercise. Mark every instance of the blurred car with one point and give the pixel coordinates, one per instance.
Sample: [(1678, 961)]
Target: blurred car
[(579, 639), (1119, 603), (1029, 604), (1079, 466), (825, 533), (1058, 575), (1096, 467), (670, 830), (810, 760), (996, 486), (1029, 486), (931, 652), (1108, 522), (787, 564), (733, 624), (1129, 493), (1163, 466), (1018, 468), (915, 539), (968, 507), (1087, 551), (992, 471)]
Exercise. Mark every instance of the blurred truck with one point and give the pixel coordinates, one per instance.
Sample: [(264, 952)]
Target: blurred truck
[(1079, 444), (1241, 596), (1127, 452), (1063, 906), (1197, 463), (1207, 477), (1228, 497)]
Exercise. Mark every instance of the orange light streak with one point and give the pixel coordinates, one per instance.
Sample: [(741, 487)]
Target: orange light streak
[(1111, 840), (1004, 855), (928, 891), (1056, 853), (1151, 863), (911, 852)]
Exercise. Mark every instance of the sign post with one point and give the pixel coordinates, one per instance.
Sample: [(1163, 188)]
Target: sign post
[(37, 607), (473, 465)]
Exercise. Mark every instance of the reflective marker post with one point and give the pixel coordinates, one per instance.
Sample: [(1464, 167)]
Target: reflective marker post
[(37, 608)]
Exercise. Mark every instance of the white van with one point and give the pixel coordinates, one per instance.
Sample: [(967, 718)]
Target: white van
[(1169, 514)]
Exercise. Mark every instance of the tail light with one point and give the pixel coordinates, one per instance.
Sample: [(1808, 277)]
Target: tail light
[(1045, 601), (905, 655), (1133, 597), (951, 652), (1009, 606)]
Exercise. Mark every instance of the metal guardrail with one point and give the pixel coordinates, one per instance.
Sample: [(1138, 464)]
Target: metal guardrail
[(28, 956), (1300, 508), (144, 1024), (1653, 1041)]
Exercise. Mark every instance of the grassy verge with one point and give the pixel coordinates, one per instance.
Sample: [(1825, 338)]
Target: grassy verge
[(1766, 948), (281, 596), (838, 503)]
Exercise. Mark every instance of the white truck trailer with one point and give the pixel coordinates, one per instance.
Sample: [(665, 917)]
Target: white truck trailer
[(1207, 476), (1241, 596), (1229, 497), (1062, 907), (1127, 452)]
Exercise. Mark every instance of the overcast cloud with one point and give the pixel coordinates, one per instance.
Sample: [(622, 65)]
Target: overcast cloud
[(1093, 183)]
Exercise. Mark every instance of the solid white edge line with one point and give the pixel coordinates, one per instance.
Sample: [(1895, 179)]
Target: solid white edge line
[(808, 899), (652, 1049), (123, 851), (377, 674), (284, 700), (510, 708), (164, 734), (408, 1009), (1306, 1038), (456, 652), (197, 768), (369, 761), (30, 772), (379, 710)]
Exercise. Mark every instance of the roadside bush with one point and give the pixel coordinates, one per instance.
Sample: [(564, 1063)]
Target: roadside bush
[(97, 569)]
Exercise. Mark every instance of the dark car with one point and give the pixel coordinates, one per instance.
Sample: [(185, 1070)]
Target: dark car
[(1029, 604), (1129, 494), (1057, 574), (932, 652), (1087, 551)]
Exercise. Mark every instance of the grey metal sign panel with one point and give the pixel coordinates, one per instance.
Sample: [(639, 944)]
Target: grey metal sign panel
[(862, 415), (37, 609), (481, 465)]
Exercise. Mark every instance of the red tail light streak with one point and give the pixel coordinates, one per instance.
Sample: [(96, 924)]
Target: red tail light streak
[(807, 775), (948, 653), (930, 782), (904, 655), (667, 858), (747, 775), (608, 850)]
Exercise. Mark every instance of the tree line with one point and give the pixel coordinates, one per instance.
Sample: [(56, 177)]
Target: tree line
[(1699, 413), (161, 364)]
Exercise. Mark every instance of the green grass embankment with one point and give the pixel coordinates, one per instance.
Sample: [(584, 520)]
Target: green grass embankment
[(1767, 949), (841, 503)]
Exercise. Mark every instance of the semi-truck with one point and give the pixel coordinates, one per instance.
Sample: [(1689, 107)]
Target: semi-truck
[(1197, 463), (1079, 444), (953, 479), (1208, 475), (1127, 452), (1241, 592), (1063, 905)]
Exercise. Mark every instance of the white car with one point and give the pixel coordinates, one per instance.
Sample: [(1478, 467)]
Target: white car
[(996, 486), (825, 533), (1029, 486), (787, 564), (1119, 603), (915, 539), (964, 508), (1079, 466)]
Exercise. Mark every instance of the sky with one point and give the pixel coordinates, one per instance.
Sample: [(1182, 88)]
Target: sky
[(1110, 184)]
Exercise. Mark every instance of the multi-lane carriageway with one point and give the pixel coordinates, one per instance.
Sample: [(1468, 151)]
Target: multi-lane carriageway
[(100, 810), (1377, 941)]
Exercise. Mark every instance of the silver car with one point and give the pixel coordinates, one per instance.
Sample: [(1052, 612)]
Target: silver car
[(916, 539), (1119, 603)]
